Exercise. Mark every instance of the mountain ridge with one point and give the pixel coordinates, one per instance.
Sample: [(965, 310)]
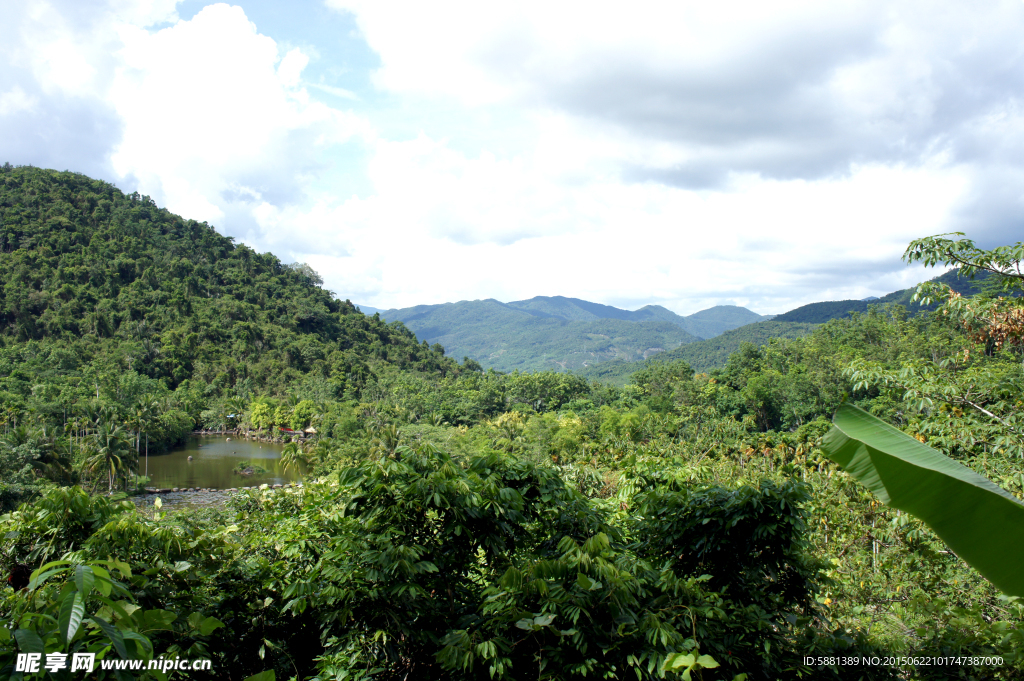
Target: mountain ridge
[(823, 311), (703, 324), (558, 332), (712, 353), (508, 338)]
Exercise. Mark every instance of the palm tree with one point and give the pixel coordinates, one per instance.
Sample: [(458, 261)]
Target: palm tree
[(231, 413), (294, 457), (323, 448), (140, 416), (385, 441), (110, 447), (510, 428), (147, 410)]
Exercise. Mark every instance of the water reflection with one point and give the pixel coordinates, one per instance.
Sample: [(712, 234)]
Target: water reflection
[(214, 459)]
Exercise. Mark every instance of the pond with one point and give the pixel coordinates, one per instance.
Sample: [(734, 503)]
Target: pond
[(213, 463)]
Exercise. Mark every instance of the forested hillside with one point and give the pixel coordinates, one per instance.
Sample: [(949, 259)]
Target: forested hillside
[(456, 523), (717, 320), (705, 355), (105, 293)]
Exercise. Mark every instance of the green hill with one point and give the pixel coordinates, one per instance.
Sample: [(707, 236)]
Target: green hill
[(507, 338), (574, 309), (104, 292), (720, 319)]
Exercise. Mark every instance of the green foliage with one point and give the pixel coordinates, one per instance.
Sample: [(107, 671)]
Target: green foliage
[(972, 262), (704, 355), (981, 522), (156, 607), (457, 523), (248, 468), (71, 608), (108, 284), (18, 464), (261, 416), (302, 414)]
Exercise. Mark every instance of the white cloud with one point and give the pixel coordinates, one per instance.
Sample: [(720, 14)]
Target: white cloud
[(289, 71), (215, 116), (685, 153), (796, 89), (67, 46), (773, 152), (336, 91), (56, 64), (442, 226), (15, 100)]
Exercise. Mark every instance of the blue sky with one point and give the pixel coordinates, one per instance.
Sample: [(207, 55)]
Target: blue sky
[(685, 154)]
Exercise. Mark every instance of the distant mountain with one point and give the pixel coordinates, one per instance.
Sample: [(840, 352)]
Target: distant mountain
[(712, 353), (506, 337), (574, 309), (717, 320), (366, 309), (555, 332), (704, 324), (608, 343), (819, 313)]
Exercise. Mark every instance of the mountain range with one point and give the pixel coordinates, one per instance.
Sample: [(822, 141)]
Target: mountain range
[(555, 332), (608, 343), (712, 353), (819, 313)]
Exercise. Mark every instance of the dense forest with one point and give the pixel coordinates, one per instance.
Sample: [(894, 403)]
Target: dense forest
[(705, 355), (469, 524)]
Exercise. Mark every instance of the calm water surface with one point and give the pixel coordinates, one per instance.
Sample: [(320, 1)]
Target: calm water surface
[(213, 461)]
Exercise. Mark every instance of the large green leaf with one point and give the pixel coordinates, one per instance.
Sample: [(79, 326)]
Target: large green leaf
[(72, 609), (981, 523), (115, 636), (84, 579), (29, 641)]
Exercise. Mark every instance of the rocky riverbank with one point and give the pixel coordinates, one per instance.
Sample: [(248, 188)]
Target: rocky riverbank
[(185, 490), (198, 497)]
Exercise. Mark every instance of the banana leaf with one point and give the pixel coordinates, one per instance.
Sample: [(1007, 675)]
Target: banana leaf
[(979, 521)]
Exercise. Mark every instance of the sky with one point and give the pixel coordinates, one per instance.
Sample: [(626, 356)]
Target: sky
[(684, 154)]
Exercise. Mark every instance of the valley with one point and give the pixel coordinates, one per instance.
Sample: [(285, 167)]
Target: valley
[(694, 511)]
